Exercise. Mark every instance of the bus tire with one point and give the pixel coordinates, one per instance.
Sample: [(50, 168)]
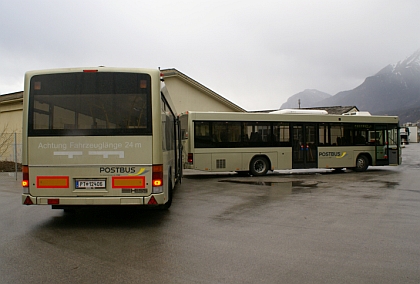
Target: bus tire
[(259, 166), (362, 163)]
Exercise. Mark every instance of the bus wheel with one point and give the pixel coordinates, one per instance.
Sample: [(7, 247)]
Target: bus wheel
[(258, 166), (362, 163)]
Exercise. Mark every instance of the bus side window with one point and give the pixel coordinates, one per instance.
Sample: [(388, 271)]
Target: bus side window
[(324, 139), (281, 134), (202, 137), (360, 137)]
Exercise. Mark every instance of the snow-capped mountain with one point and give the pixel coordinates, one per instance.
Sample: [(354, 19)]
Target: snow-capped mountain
[(394, 90)]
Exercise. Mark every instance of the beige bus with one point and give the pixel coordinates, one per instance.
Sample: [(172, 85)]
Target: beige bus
[(262, 142), (98, 136)]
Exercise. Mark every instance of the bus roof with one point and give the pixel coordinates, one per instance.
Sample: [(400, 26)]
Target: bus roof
[(91, 69), (290, 117)]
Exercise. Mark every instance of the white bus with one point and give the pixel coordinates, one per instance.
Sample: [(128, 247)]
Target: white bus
[(98, 136), (259, 142)]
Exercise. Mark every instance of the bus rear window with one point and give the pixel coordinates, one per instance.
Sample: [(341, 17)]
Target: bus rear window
[(102, 103)]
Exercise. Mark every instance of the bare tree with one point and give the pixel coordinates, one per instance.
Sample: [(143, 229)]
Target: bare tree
[(6, 140)]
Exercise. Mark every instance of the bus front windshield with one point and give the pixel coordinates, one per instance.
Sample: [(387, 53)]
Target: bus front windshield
[(100, 103)]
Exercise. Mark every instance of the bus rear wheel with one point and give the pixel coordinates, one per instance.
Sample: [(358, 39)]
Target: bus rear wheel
[(259, 166), (362, 163)]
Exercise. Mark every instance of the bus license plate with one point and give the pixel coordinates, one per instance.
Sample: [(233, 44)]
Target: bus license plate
[(91, 184)]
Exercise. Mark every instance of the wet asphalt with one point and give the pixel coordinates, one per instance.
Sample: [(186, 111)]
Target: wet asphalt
[(286, 227)]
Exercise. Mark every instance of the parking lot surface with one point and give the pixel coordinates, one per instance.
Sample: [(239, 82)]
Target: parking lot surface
[(286, 227)]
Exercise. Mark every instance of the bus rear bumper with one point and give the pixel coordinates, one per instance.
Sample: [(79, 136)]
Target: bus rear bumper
[(154, 199)]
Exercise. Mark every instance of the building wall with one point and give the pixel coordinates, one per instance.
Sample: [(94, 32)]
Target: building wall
[(413, 137), (188, 98), (11, 130)]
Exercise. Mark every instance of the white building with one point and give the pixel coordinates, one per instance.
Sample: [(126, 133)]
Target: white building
[(410, 133)]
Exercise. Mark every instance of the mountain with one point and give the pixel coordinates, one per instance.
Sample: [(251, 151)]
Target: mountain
[(394, 90), (307, 98), (405, 115)]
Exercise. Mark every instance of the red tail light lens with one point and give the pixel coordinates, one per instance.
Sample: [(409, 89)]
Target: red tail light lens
[(157, 175), (25, 174)]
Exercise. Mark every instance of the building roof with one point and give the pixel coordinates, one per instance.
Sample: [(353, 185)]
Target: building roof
[(336, 109), (12, 97), (167, 73), (18, 96), (339, 110)]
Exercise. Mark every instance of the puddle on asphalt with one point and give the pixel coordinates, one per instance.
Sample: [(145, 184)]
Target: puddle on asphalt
[(271, 183), (285, 186), (390, 184)]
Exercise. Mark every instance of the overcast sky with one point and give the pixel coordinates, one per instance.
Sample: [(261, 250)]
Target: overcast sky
[(255, 53)]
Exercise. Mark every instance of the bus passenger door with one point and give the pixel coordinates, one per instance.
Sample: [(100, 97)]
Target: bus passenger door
[(379, 136), (304, 146)]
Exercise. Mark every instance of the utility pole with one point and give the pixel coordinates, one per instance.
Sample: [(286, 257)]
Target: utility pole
[(299, 102)]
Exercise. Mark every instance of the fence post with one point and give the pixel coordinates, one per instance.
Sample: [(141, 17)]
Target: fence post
[(15, 158)]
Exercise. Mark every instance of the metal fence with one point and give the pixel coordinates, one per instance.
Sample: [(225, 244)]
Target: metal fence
[(10, 152)]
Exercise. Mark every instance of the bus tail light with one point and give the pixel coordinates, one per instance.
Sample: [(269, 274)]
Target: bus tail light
[(25, 174), (157, 178), (190, 158)]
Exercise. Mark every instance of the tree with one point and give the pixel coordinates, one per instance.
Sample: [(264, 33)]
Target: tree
[(6, 140)]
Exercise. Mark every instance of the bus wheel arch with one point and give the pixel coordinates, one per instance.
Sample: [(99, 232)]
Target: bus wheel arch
[(259, 165), (363, 161), (170, 192)]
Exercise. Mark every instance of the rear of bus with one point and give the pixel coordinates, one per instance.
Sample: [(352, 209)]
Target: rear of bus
[(92, 137)]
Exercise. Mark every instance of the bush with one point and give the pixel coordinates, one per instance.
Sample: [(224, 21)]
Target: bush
[(8, 166)]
